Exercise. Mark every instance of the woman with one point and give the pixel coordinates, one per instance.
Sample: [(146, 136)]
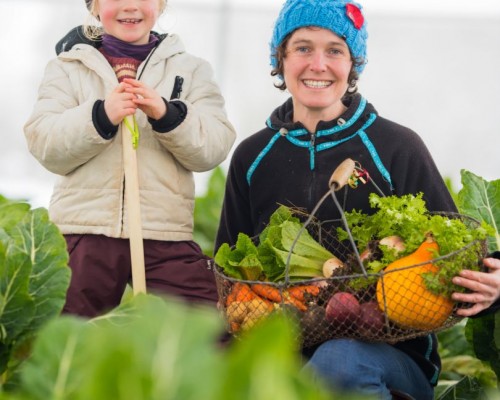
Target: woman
[(318, 49)]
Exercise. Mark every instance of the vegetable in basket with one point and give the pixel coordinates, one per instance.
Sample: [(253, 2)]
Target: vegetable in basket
[(403, 295), (407, 218), (282, 243)]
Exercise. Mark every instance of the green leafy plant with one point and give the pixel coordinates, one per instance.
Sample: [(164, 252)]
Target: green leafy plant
[(407, 217), (153, 348), (284, 249), (481, 199), (34, 277), (207, 209)]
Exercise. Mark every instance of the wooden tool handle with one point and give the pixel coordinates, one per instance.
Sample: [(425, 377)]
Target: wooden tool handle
[(341, 175), (133, 212)]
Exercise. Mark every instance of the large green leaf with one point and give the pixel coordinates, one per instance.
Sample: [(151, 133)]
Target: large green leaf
[(50, 275), (57, 368), (480, 199), (11, 213), (155, 348), (34, 276), (147, 349), (16, 305), (466, 389)]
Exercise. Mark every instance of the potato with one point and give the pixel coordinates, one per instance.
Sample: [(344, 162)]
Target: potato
[(236, 311)]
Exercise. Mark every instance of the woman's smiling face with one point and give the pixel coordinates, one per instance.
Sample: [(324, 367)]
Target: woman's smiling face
[(129, 20), (316, 70)]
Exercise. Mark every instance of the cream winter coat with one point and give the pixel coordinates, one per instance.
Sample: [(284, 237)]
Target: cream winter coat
[(88, 197)]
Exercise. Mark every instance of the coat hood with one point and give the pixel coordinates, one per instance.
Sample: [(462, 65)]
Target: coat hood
[(76, 36)]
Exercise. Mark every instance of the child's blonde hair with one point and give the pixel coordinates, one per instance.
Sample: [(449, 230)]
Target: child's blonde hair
[(93, 31)]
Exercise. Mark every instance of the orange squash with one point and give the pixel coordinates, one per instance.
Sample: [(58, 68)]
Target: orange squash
[(402, 294)]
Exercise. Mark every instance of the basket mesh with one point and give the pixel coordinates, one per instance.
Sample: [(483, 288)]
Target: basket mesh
[(388, 306)]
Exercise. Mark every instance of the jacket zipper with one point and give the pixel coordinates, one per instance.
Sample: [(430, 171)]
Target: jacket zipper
[(312, 165)]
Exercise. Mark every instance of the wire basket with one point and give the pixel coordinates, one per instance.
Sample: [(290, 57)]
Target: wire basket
[(349, 304)]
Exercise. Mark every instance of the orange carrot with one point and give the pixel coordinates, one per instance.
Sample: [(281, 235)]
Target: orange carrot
[(240, 292), (234, 327), (300, 292), (295, 302), (268, 292)]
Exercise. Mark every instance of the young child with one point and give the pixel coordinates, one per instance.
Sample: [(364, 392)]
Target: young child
[(101, 75), (318, 50)]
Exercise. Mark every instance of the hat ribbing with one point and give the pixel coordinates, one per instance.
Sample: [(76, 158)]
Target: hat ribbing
[(339, 16)]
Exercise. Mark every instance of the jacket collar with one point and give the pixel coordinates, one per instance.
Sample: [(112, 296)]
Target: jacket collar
[(358, 111), (76, 36)]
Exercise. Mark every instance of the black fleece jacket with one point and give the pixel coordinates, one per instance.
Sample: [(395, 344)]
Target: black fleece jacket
[(286, 164)]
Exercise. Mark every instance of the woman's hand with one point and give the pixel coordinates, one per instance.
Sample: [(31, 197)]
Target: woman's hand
[(146, 99), (485, 288)]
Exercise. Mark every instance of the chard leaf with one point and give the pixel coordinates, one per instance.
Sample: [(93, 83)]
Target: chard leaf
[(297, 265), (480, 199), (306, 245)]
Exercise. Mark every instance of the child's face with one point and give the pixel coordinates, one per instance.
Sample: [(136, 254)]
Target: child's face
[(316, 70), (129, 20)]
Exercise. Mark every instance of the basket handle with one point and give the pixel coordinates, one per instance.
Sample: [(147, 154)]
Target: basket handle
[(341, 175)]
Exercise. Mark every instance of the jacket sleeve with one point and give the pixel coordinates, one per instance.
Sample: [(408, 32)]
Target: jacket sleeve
[(205, 137), (236, 214), (60, 133), (413, 170)]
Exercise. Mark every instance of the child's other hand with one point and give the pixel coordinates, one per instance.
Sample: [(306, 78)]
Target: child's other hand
[(119, 104), (146, 99)]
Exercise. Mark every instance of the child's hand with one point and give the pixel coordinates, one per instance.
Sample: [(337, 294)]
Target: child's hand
[(146, 99), (119, 104)]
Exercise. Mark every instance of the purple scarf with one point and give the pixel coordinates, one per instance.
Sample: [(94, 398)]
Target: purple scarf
[(120, 49)]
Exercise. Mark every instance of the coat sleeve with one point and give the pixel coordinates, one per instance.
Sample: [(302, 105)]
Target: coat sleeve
[(60, 133), (205, 137)]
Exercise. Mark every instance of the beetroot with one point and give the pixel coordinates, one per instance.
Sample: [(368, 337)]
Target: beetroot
[(371, 319), (343, 308)]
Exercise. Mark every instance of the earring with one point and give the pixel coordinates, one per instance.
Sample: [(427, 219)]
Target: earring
[(353, 86)]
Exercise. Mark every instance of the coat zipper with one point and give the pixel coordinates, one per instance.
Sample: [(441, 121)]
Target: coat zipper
[(312, 163)]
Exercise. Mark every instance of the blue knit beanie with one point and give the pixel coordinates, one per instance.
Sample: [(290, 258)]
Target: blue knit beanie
[(342, 17)]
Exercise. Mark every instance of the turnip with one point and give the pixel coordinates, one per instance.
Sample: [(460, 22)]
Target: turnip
[(342, 308), (330, 265), (393, 242)]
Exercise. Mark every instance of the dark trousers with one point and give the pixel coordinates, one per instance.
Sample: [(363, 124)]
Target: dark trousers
[(101, 269)]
